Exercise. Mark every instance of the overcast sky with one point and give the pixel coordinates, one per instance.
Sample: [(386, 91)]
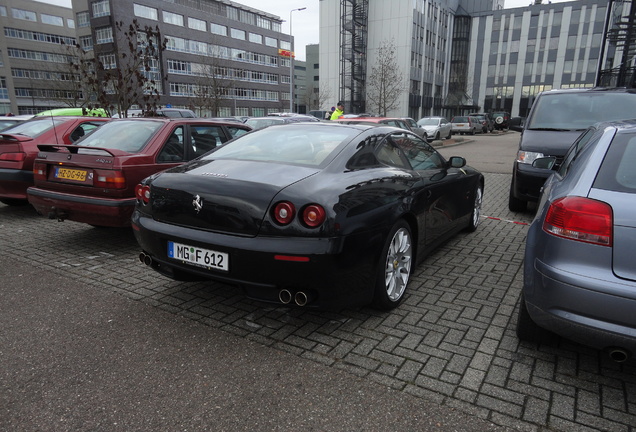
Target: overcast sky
[(304, 23)]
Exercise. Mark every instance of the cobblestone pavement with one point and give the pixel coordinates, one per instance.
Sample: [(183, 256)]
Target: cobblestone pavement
[(451, 341)]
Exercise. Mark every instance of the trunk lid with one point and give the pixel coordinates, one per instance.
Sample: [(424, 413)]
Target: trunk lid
[(221, 195)]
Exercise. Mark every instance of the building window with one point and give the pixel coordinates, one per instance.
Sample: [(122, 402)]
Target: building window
[(145, 12), (83, 19), (233, 13), (86, 42), (101, 8), (256, 38), (103, 35), (70, 23), (52, 20), (24, 15), (172, 18), (285, 45), (237, 34), (263, 22), (3, 11), (197, 24), (271, 42), (218, 29), (109, 61), (4, 91)]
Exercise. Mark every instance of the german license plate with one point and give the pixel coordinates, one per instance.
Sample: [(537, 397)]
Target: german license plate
[(198, 256), (70, 174)]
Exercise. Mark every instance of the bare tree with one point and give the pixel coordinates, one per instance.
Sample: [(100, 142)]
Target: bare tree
[(385, 84), (316, 96), (134, 77), (213, 86)]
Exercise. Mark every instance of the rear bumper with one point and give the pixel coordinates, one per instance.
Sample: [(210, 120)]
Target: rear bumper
[(340, 271), (594, 311), (90, 210), (14, 183)]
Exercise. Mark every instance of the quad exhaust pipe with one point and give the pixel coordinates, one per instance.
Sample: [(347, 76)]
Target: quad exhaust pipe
[(145, 258), (301, 298)]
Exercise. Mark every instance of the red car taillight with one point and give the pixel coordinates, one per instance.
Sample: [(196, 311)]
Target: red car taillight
[(580, 219), (13, 157), (39, 171), (142, 192), (313, 215), (284, 212), (109, 179)]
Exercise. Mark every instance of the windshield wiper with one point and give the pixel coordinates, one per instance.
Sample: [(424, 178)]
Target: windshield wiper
[(554, 129)]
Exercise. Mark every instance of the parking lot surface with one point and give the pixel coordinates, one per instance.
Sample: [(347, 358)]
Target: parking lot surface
[(451, 342)]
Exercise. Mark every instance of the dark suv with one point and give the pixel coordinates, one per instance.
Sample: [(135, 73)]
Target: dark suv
[(556, 119), (500, 119)]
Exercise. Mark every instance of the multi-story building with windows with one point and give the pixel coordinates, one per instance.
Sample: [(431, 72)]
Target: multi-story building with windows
[(207, 40), (458, 56), (31, 58)]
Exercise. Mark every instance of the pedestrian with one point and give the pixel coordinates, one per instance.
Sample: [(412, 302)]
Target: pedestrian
[(339, 111)]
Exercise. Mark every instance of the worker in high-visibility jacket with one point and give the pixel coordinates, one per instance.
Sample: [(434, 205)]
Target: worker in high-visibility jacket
[(339, 112)]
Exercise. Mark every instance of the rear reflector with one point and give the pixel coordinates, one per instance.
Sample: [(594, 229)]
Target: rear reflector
[(291, 258), (580, 219)]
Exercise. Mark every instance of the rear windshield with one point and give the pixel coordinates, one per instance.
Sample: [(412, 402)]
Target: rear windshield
[(617, 172), (127, 135), (290, 143), (428, 122), (460, 120), (34, 128), (578, 111), (261, 123)]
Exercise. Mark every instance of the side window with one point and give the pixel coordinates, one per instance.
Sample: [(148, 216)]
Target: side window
[(420, 154), (174, 148), (206, 138), (237, 132), (390, 154), (83, 129)]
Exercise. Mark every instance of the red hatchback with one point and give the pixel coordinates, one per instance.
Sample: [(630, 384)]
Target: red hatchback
[(94, 182), (18, 148)]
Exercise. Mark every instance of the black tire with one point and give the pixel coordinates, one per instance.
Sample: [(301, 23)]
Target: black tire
[(394, 268), (527, 330), (515, 204), (450, 134), (475, 217), (437, 136), (14, 202), (472, 132)]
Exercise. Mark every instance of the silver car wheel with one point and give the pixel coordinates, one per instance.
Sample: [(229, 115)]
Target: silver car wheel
[(398, 264), (477, 207)]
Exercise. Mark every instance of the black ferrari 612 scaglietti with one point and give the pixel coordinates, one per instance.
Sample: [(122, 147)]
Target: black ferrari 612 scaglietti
[(319, 215)]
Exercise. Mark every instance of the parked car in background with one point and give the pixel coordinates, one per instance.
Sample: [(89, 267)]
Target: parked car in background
[(261, 122), (436, 127), (389, 121), (18, 149), (414, 127), (93, 112), (8, 121), (487, 125), (319, 114), (463, 125), (312, 214), (94, 181), (161, 112), (500, 119), (556, 119), (579, 272)]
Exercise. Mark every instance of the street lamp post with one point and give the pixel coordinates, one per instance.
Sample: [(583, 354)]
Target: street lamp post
[(291, 61)]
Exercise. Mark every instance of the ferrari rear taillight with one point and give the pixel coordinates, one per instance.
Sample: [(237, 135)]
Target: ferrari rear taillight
[(13, 157), (142, 193), (313, 215), (580, 219), (284, 212), (39, 171), (109, 179)]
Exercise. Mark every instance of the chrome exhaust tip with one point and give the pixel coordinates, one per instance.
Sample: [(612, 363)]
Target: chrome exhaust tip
[(145, 258), (301, 298), (285, 296), (619, 355)]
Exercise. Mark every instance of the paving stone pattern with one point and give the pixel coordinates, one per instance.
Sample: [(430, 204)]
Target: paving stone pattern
[(452, 340)]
